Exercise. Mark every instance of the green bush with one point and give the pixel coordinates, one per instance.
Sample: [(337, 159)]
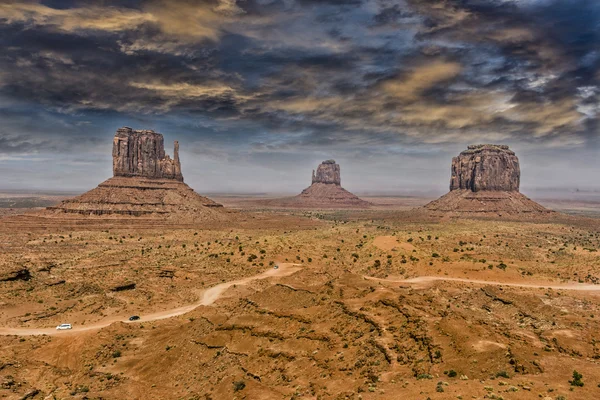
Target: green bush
[(238, 385), (577, 379)]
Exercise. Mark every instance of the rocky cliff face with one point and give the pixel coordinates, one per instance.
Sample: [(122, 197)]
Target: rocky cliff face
[(328, 172), (486, 167), (142, 153)]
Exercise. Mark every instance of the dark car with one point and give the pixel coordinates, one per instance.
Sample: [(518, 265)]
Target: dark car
[(134, 318)]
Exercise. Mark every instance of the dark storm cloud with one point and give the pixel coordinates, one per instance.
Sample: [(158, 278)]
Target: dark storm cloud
[(364, 79)]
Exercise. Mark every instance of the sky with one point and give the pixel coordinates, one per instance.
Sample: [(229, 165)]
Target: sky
[(258, 92)]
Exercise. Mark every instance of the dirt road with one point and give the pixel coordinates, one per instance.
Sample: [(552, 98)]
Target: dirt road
[(428, 279), (211, 295), (207, 298)]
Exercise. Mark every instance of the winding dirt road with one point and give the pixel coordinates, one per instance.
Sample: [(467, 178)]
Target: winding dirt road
[(429, 279), (211, 295), (207, 298)]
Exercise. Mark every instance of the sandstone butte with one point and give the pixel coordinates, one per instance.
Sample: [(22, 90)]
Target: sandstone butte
[(146, 182), (485, 180), (326, 191)]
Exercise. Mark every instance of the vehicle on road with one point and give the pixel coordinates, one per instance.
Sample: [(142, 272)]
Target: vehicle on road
[(134, 318), (276, 267), (63, 327)]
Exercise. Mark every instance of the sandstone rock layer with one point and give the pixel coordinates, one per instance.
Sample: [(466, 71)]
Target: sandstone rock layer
[(485, 181), (328, 172), (141, 197), (486, 167), (490, 202), (142, 153)]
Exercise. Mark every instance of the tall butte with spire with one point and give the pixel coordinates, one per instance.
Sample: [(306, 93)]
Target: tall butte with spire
[(146, 182), (485, 180)]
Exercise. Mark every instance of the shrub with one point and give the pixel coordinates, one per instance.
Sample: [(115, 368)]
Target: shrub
[(576, 379), (116, 354), (452, 373), (238, 385)]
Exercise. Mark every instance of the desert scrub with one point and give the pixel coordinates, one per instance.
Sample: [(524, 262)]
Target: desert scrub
[(238, 385), (577, 379)]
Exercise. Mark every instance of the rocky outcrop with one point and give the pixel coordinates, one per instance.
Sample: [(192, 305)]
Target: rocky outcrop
[(142, 153), (485, 181), (324, 192), (124, 286), (328, 172), (147, 183), (18, 274), (121, 197), (486, 167)]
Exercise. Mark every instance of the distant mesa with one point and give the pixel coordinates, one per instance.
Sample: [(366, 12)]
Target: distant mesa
[(146, 182), (324, 192), (485, 180)]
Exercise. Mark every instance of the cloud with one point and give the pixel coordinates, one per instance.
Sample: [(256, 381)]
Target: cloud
[(175, 93), (75, 19), (364, 79), (188, 21), (412, 85)]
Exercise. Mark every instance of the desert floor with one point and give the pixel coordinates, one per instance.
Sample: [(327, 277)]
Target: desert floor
[(376, 304)]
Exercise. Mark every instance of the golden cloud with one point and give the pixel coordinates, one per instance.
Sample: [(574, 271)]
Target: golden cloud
[(70, 20), (187, 21), (409, 87)]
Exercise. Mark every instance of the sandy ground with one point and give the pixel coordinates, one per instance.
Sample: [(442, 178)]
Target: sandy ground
[(383, 306), (207, 298)]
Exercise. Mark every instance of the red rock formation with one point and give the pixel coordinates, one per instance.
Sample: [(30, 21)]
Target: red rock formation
[(486, 167), (147, 183), (328, 172), (485, 181), (325, 192), (142, 153)]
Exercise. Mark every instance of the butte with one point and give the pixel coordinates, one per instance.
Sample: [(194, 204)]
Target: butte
[(326, 191), (485, 181), (146, 182)]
